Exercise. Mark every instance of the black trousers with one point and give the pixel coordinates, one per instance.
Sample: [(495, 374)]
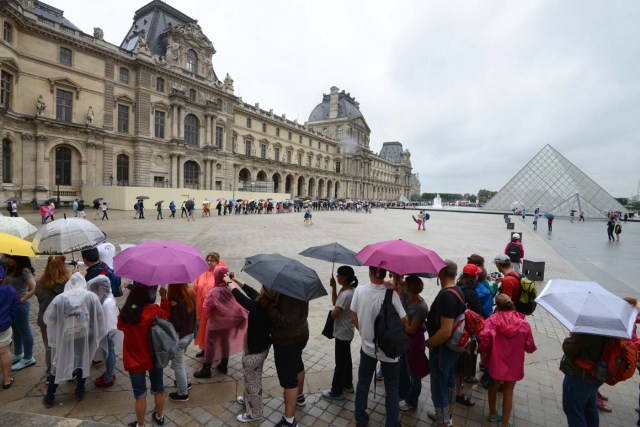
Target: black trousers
[(343, 374)]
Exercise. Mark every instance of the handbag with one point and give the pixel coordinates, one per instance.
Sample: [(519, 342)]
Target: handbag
[(327, 331)]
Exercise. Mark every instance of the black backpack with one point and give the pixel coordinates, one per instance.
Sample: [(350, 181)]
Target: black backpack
[(389, 334), (513, 252)]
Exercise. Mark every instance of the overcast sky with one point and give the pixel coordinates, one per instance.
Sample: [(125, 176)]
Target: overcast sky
[(474, 89)]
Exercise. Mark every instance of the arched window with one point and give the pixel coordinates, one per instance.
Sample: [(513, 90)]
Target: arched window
[(122, 169), (192, 61), (191, 129), (7, 157), (63, 166), (191, 174)]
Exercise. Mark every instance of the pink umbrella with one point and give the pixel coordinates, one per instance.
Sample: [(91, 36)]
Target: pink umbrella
[(401, 257), (158, 263)]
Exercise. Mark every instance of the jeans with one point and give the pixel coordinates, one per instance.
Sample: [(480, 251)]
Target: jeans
[(579, 402), (139, 384), (391, 400), (52, 387), (22, 337), (414, 385), (178, 366), (110, 363), (442, 362), (343, 374)]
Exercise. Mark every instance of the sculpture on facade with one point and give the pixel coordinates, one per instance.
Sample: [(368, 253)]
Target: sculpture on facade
[(40, 105), (98, 33), (173, 51), (29, 5), (90, 115), (143, 47), (228, 82)]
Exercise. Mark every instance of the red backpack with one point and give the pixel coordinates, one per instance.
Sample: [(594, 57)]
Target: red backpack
[(465, 326), (617, 363)]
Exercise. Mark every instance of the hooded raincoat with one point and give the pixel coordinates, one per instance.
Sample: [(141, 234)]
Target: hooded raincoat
[(75, 327), (505, 338), (227, 324), (101, 286), (201, 287)]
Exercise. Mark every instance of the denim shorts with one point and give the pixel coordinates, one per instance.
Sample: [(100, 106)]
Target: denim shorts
[(139, 382)]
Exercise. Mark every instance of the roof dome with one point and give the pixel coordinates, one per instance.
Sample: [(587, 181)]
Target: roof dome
[(347, 108)]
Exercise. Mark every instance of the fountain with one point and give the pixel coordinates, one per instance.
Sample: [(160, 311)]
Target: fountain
[(437, 202)]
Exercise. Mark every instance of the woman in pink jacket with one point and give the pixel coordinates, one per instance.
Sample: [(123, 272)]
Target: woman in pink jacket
[(504, 339)]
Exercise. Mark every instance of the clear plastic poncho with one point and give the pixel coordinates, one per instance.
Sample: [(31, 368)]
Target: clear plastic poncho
[(101, 286), (75, 326)]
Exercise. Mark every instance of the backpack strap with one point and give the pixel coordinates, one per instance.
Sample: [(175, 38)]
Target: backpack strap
[(458, 295)]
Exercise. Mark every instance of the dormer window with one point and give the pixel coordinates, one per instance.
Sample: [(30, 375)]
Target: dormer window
[(192, 61)]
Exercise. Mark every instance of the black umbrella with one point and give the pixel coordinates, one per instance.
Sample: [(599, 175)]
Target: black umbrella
[(285, 275), (14, 199), (97, 200), (50, 200), (549, 215), (332, 252), (159, 202), (190, 204), (142, 197)]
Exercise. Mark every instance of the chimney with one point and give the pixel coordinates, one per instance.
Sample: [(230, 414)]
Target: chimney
[(333, 103)]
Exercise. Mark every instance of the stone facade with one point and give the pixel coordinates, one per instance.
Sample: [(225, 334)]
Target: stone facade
[(152, 112)]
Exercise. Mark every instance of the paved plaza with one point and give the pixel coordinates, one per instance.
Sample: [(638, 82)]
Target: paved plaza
[(537, 399)]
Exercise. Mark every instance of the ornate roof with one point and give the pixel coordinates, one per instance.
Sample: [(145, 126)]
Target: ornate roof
[(347, 108)]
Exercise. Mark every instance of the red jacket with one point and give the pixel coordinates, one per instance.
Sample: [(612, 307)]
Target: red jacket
[(136, 354)]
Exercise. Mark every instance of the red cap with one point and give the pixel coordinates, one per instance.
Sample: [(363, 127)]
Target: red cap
[(471, 270)]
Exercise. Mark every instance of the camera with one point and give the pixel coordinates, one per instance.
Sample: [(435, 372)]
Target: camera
[(496, 275), (231, 275)]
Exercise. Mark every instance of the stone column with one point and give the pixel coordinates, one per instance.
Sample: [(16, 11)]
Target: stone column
[(174, 121), (205, 182), (41, 178), (207, 129), (180, 173), (180, 122), (174, 169)]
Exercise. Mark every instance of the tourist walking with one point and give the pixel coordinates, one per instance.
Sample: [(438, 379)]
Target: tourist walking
[(190, 205), (9, 307), (96, 208), (172, 208), (14, 209), (343, 332), (135, 320), (136, 206), (183, 210), (419, 220), (141, 207), (505, 338), (256, 348), (550, 224), (105, 208), (19, 275), (75, 207), (610, 227), (48, 286), (81, 207), (183, 319), (159, 209), (581, 216), (515, 251), (535, 221), (44, 213), (617, 230)]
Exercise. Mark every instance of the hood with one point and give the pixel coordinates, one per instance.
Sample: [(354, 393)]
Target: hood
[(101, 286), (508, 322), (76, 283), (106, 252)]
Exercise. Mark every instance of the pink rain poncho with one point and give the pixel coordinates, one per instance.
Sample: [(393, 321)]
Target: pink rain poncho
[(201, 287), (227, 324), (75, 327)]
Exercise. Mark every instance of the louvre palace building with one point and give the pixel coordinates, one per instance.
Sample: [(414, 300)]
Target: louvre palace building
[(78, 112)]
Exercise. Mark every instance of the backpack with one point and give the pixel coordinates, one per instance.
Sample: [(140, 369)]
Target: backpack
[(389, 334), (116, 281), (513, 252), (9, 206), (526, 304), (426, 216), (617, 362), (465, 326), (163, 341)]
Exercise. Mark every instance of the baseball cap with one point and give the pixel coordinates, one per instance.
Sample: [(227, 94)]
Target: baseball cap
[(471, 270), (501, 259), (515, 236)]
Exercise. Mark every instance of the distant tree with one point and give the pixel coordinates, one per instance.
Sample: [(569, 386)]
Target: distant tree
[(484, 195), (633, 205), (623, 200)]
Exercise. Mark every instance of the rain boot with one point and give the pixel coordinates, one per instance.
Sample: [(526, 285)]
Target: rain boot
[(205, 372), (222, 366)]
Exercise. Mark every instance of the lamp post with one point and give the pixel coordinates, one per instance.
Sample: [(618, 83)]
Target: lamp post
[(58, 196)]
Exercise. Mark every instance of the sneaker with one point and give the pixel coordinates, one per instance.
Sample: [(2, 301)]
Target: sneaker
[(284, 423), (175, 384), (301, 401), (495, 418), (432, 417), (404, 406), (178, 397), (246, 417), (240, 399), (158, 420), (16, 358), (328, 395), (101, 383), (348, 389), (48, 403), (24, 363)]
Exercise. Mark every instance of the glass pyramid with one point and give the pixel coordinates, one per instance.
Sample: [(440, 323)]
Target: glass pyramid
[(552, 183)]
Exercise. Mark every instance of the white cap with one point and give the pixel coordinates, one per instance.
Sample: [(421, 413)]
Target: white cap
[(106, 252), (515, 236)]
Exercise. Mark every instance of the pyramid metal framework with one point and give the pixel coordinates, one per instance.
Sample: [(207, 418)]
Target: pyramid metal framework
[(552, 183)]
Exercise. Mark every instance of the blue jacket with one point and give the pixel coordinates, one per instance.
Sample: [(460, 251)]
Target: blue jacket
[(172, 207), (486, 298), (9, 305)]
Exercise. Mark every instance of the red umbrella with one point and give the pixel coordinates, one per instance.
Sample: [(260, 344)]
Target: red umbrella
[(401, 257)]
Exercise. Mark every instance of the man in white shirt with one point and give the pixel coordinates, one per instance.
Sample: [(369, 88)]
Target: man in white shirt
[(365, 306)]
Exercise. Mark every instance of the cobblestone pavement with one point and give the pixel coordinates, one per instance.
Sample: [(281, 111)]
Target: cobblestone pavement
[(537, 400)]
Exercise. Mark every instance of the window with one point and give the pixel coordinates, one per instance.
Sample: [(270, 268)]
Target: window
[(289, 154), (263, 151), (326, 148), (5, 90), (124, 75), (65, 56), (300, 139), (122, 169), (299, 159), (219, 134), (158, 181), (192, 61), (247, 147), (319, 145), (277, 131), (309, 160), (63, 166), (123, 118), (7, 156), (248, 122), (339, 132), (191, 174), (64, 105), (8, 32), (264, 128), (337, 167), (191, 129), (289, 136), (192, 95), (159, 123), (276, 156), (160, 84), (310, 142), (338, 150)]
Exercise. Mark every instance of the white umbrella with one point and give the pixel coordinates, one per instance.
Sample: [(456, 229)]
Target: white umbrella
[(18, 227), (66, 235), (588, 308)]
